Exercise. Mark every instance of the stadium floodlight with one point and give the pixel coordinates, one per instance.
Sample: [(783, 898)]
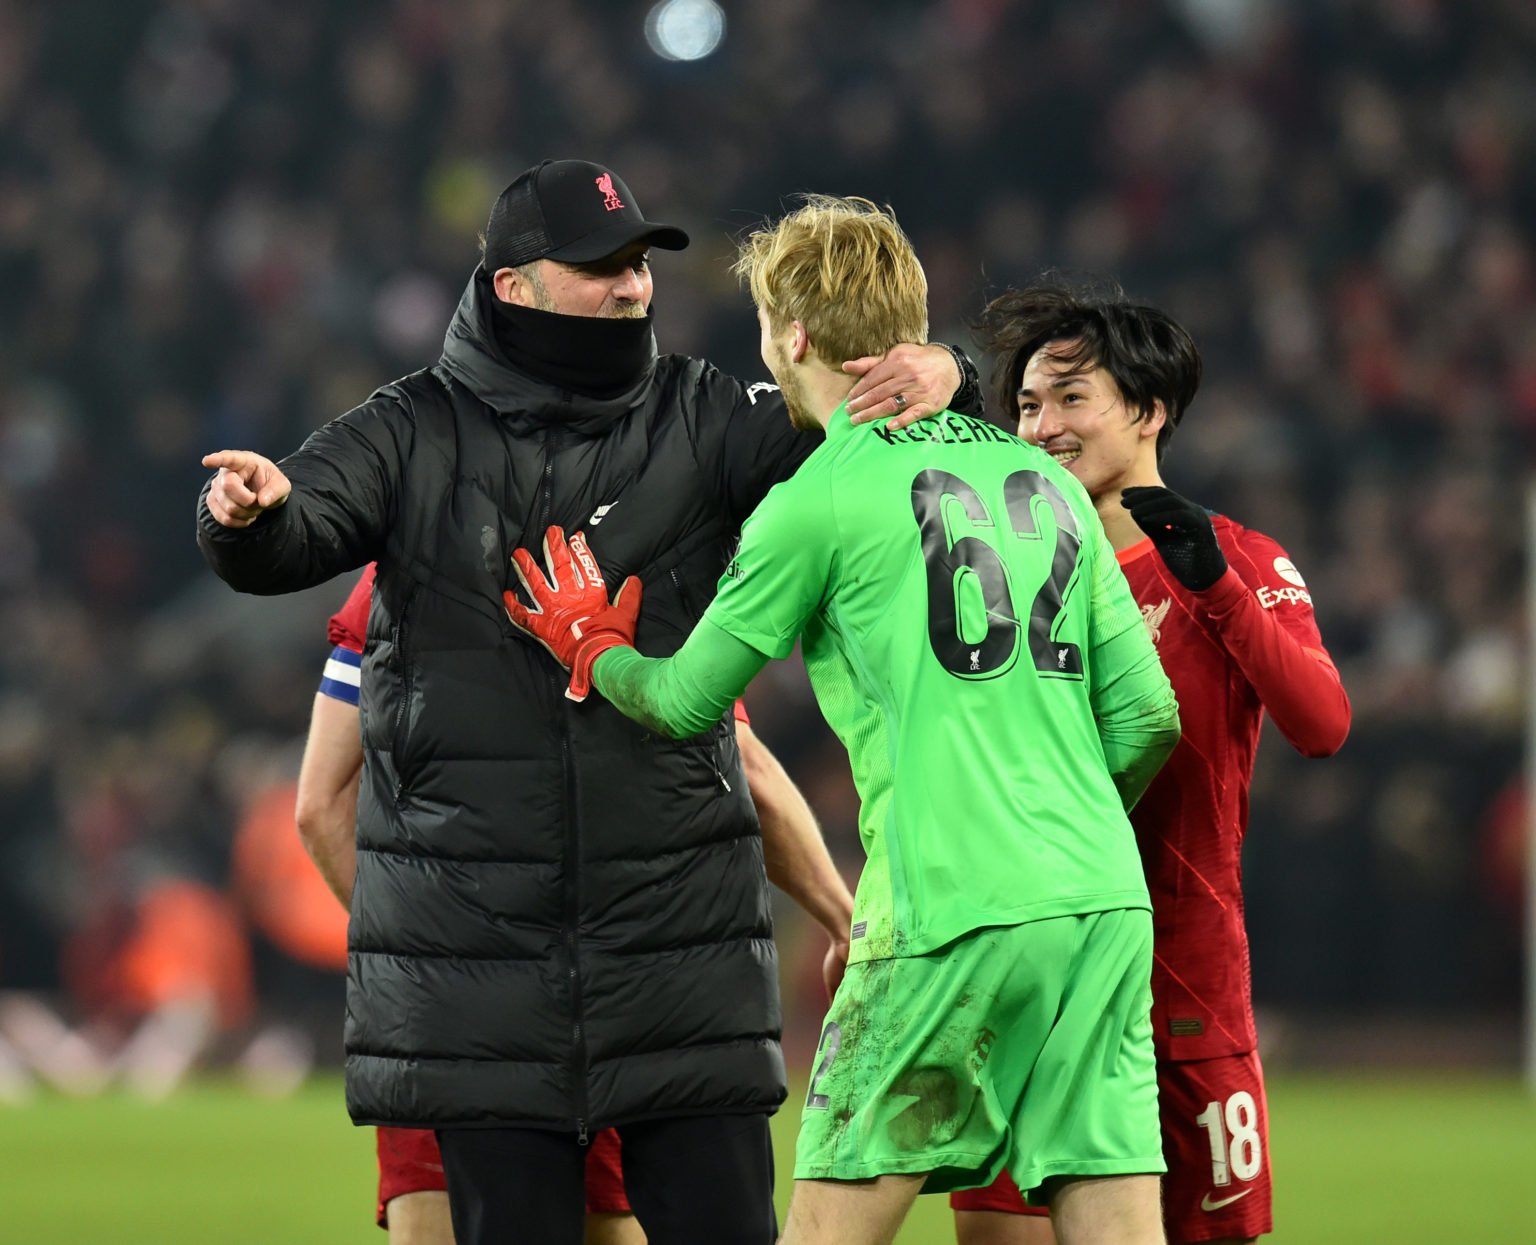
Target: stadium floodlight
[(685, 30)]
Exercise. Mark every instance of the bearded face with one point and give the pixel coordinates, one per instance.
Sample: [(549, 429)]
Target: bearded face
[(792, 386)]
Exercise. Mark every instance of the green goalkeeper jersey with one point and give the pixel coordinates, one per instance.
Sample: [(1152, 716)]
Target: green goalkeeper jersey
[(972, 641)]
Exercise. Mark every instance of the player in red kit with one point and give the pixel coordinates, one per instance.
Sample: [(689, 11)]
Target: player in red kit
[(413, 1199), (1100, 384)]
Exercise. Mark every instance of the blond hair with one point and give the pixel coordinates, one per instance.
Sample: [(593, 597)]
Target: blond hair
[(845, 270)]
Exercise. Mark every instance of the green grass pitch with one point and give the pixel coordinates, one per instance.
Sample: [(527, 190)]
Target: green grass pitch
[(1356, 1160)]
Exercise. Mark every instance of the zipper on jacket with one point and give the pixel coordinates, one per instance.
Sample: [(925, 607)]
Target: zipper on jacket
[(407, 679), (714, 759), (547, 501), (572, 924), (682, 592), (573, 917), (572, 839)]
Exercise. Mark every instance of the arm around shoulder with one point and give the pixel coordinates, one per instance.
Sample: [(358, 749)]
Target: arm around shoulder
[(745, 440)]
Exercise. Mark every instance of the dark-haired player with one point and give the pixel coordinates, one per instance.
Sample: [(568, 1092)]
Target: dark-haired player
[(1100, 384)]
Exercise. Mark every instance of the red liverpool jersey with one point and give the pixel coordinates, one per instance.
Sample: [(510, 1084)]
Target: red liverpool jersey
[(1247, 645), (349, 625)]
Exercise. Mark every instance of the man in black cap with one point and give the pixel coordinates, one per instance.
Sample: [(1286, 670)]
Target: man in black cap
[(560, 922)]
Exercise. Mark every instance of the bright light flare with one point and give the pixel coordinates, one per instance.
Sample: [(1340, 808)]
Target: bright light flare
[(685, 30)]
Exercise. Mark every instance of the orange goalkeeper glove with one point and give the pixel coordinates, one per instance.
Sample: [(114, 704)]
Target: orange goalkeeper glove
[(571, 614)]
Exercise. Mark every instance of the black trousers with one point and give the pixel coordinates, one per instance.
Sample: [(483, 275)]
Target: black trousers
[(697, 1180)]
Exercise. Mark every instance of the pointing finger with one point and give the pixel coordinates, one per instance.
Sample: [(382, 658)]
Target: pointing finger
[(242, 462)]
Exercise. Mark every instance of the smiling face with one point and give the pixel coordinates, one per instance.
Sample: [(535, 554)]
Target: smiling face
[(616, 287), (1079, 417)]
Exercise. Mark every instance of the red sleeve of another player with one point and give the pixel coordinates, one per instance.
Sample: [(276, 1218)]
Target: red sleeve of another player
[(349, 625), (1263, 610), (741, 713)]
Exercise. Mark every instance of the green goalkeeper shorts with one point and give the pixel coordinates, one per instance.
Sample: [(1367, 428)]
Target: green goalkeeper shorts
[(1027, 1045)]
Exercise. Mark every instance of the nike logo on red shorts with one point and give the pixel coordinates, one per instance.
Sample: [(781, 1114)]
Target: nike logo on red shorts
[(1207, 1204)]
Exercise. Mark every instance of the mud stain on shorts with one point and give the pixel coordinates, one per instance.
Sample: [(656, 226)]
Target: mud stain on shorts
[(932, 1114)]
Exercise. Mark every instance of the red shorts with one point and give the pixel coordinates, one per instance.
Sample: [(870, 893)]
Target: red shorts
[(1216, 1142), (605, 1176), (1002, 1194), (409, 1162)]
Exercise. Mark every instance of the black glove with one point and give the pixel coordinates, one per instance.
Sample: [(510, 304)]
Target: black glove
[(1182, 532)]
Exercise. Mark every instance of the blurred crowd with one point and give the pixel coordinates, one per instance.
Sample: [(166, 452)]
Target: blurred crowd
[(224, 221)]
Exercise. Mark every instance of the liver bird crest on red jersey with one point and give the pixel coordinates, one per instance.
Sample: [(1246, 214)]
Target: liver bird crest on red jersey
[(1153, 616)]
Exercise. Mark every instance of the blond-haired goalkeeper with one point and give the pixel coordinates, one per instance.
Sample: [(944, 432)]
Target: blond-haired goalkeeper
[(971, 639)]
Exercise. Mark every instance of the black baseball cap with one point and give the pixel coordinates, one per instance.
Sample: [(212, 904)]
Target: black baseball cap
[(571, 210)]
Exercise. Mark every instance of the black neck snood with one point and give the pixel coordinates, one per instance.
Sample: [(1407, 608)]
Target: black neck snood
[(598, 358)]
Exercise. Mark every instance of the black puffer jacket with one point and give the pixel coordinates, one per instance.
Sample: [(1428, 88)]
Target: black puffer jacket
[(559, 920)]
